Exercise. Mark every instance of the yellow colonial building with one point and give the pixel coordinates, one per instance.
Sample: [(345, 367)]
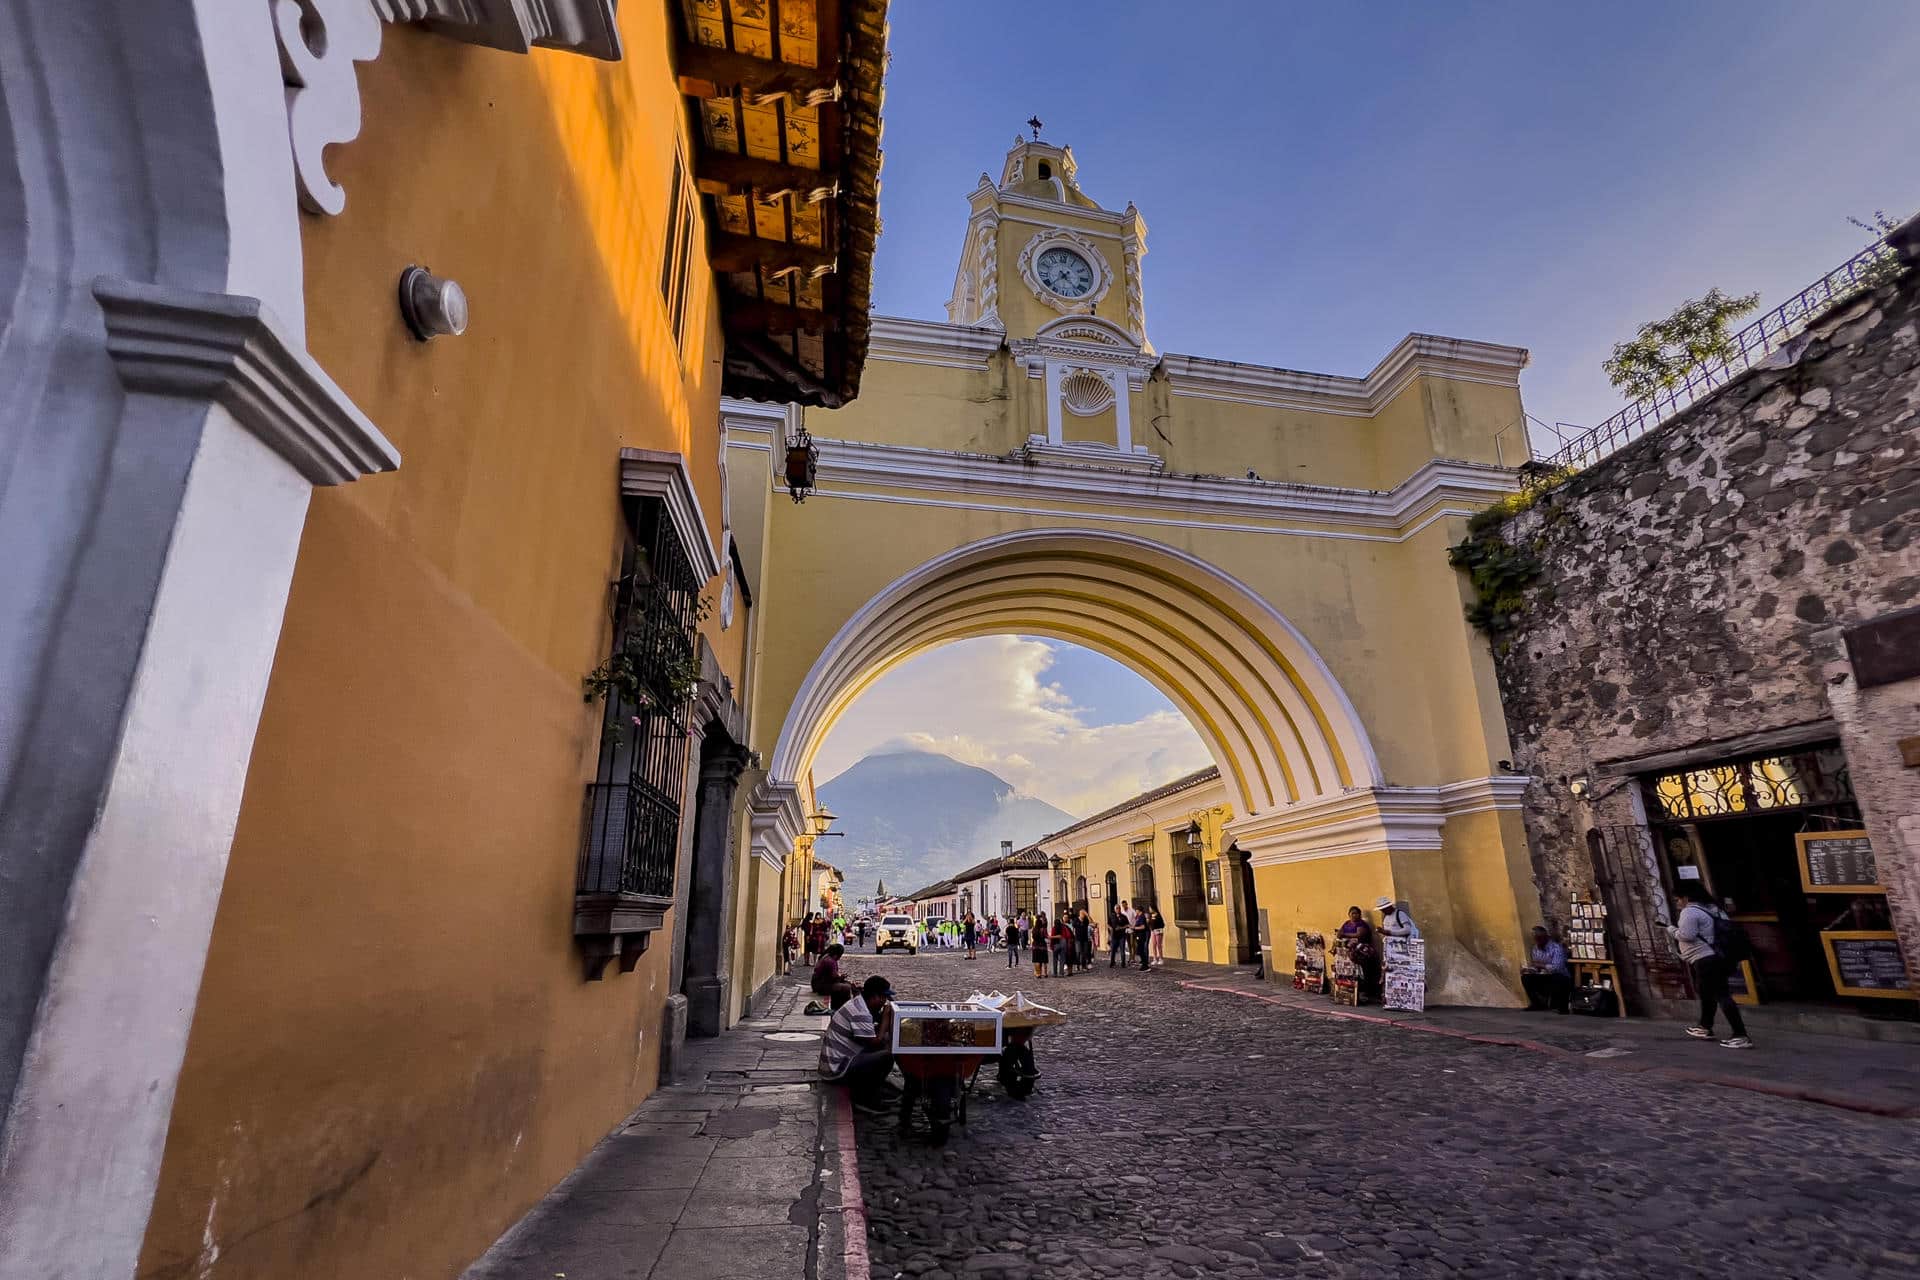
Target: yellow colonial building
[(1265, 546)]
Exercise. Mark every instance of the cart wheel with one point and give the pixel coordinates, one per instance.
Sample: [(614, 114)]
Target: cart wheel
[(937, 1131), (913, 951), (1019, 1088)]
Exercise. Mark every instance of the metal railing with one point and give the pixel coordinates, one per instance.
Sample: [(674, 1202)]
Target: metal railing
[(1747, 348)]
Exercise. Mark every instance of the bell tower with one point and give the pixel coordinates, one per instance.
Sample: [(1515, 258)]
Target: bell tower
[(1039, 248)]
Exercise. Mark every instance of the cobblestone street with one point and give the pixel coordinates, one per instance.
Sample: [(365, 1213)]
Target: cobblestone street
[(1189, 1133)]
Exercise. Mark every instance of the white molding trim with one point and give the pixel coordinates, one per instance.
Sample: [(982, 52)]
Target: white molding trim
[(322, 87), (1050, 211), (1436, 483), (1370, 820), (1079, 245), (777, 820), (652, 473), (1416, 355), (573, 26), (234, 351), (930, 342), (1091, 456)]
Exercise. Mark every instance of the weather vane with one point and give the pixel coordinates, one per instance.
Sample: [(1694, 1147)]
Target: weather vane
[(1033, 123)]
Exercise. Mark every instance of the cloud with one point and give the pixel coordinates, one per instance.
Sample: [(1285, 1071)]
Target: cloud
[(987, 702)]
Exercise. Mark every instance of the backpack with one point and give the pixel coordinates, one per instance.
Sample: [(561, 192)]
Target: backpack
[(1729, 939)]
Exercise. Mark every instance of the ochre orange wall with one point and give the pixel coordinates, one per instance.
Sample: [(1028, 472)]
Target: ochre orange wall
[(394, 1052)]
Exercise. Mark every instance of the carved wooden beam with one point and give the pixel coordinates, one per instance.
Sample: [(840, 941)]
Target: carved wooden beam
[(737, 253), (757, 315), (719, 174), (706, 72)]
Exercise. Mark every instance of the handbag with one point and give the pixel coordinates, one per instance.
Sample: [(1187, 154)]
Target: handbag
[(1595, 1002)]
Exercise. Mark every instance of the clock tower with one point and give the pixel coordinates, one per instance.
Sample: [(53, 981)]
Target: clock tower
[(1039, 248)]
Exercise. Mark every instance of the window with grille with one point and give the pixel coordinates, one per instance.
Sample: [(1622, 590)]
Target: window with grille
[(1140, 854), (1189, 894), (676, 256), (1026, 896), (632, 834)]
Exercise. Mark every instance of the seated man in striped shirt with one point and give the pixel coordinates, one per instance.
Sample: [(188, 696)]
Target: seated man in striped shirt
[(858, 1049)]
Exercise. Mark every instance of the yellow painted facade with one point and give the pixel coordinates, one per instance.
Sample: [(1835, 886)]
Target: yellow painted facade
[(1036, 466), (395, 1053)]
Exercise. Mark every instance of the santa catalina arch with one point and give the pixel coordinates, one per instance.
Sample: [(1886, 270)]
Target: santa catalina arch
[(1266, 546)]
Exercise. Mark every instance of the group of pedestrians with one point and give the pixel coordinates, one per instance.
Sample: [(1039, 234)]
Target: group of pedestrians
[(1136, 932)]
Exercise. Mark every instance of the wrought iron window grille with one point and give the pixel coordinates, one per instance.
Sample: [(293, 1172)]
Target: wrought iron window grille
[(630, 829)]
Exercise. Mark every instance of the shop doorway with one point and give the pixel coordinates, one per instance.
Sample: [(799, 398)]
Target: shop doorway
[(1771, 837), (1113, 892), (1248, 948)]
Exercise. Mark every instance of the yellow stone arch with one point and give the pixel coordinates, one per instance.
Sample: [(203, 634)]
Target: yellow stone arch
[(1268, 709)]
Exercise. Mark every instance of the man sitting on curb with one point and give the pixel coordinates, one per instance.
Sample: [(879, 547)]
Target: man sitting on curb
[(858, 1050), (829, 982), (1549, 985)]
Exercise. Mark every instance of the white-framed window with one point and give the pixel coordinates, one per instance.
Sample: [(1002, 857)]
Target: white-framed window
[(676, 256)]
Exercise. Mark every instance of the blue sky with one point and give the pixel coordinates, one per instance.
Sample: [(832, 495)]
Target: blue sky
[(1320, 179)]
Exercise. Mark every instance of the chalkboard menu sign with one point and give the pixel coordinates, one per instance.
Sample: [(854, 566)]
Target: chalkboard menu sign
[(1867, 963), (1837, 862)]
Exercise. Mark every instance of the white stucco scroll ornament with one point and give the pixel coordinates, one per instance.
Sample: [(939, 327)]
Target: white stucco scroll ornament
[(320, 40)]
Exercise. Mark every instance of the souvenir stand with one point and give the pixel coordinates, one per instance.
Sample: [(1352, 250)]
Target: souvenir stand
[(1309, 962), (1347, 976), (1587, 957), (1406, 973)]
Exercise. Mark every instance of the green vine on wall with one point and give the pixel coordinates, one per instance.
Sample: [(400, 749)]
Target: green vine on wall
[(1501, 572)]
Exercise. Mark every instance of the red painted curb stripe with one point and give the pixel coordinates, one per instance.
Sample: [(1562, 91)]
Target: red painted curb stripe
[(1796, 1093), (853, 1202)]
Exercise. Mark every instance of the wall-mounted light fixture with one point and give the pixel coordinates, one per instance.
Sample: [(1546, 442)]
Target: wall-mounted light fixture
[(1579, 784), (432, 307)]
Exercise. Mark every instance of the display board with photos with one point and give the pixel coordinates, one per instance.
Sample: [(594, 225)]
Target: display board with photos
[(1405, 978), (1586, 933)]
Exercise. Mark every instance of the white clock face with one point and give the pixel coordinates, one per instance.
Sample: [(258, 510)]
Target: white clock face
[(1065, 272)]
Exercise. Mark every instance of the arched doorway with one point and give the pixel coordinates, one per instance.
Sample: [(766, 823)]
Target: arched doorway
[(1113, 892), (1144, 896)]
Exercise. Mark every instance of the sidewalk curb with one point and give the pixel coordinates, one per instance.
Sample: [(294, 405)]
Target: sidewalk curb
[(843, 1218), (1819, 1097)]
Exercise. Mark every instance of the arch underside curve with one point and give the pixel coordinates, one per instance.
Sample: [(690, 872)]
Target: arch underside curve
[(1268, 710)]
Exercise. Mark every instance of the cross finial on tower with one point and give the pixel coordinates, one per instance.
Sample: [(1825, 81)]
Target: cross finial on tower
[(1033, 123)]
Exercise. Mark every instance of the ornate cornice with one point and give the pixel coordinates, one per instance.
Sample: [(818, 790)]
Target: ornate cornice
[(1369, 820), (1416, 355), (233, 351), (776, 820), (652, 473), (319, 43), (928, 342), (1438, 484), (572, 26), (1064, 238)]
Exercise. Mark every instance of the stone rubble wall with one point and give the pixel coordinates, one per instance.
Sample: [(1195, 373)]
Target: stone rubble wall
[(1696, 582)]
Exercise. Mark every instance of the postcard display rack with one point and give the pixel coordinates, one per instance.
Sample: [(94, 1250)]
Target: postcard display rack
[(1587, 931), (1309, 962), (1406, 974), (1347, 976)]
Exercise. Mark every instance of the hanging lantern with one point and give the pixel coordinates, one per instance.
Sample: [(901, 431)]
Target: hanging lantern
[(803, 462)]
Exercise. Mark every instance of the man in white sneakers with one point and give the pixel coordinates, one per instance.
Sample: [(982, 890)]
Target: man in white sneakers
[(1699, 931)]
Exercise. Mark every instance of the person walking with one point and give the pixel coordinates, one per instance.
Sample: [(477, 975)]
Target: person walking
[(1704, 933), (1083, 939), (1038, 941), (971, 930), (1062, 942), (1157, 923), (1118, 919), (1013, 943), (860, 931)]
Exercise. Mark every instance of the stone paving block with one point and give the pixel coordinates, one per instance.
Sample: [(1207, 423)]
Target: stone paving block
[(554, 1247), (592, 1209), (745, 1208), (734, 1253), (650, 1173), (776, 1175)]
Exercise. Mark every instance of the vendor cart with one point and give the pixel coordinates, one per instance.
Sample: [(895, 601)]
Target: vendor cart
[(1020, 1017), (940, 1046)]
